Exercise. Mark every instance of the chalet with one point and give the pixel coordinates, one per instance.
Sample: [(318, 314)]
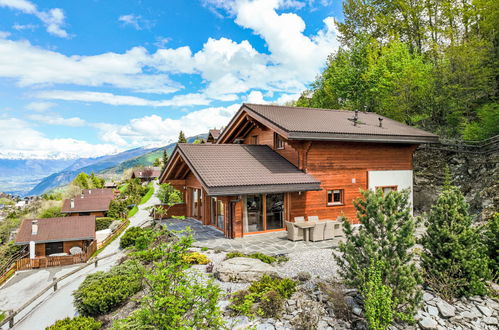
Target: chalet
[(100, 193), (56, 236), (83, 206), (274, 163), (147, 174), (213, 135)]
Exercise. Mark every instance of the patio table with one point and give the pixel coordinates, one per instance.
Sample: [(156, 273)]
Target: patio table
[(306, 228)]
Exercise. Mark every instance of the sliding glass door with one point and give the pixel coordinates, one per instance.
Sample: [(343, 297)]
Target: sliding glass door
[(254, 207), (264, 212), (275, 211)]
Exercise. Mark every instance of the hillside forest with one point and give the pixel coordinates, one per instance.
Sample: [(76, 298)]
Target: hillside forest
[(428, 63)]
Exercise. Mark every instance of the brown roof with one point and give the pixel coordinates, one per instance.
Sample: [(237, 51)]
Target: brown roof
[(326, 124), (231, 169), (147, 173), (215, 133), (57, 230), (109, 192), (86, 204)]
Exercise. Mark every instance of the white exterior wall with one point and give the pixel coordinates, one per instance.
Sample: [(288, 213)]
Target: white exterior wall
[(401, 179)]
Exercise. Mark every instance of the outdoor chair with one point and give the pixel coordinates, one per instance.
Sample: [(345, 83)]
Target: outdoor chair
[(313, 218), (329, 231), (317, 232), (294, 233), (299, 219), (338, 226)]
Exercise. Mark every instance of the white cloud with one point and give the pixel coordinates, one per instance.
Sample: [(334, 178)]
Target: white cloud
[(155, 130), (136, 21), (39, 106), (34, 66), (19, 140), (20, 27), (255, 97), (53, 18), (285, 98), (53, 119), (112, 99), (4, 34)]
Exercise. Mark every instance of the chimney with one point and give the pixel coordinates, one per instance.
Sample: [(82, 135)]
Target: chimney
[(34, 227), (72, 203), (82, 196), (90, 191), (380, 121), (356, 115)]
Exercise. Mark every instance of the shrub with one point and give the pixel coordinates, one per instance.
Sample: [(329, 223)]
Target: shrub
[(76, 323), (204, 249), (51, 212), (133, 234), (257, 255), (101, 292), (387, 233), (453, 250), (264, 297), (196, 258), (378, 302), (492, 243), (118, 209), (102, 223), (176, 298), (303, 276), (336, 293)]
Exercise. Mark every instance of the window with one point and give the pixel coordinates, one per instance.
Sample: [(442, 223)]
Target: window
[(278, 141), (335, 197), (254, 139), (387, 189)]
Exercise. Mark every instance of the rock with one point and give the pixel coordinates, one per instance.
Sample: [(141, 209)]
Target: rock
[(241, 322), (222, 304), (265, 326), (428, 323), (432, 310), (357, 311), (446, 310), (242, 270), (490, 320), (485, 310), (427, 296), (471, 314)]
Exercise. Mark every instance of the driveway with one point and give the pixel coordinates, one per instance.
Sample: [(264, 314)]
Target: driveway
[(53, 306)]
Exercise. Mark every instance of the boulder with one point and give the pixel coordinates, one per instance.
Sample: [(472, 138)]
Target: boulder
[(485, 310), (242, 270), (428, 323), (446, 310)]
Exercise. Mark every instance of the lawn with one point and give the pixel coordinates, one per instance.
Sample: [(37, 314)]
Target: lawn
[(148, 195)]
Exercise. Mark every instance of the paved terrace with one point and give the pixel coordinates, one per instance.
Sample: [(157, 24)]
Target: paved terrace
[(269, 243)]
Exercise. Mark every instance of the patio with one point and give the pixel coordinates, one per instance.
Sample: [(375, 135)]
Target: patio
[(269, 243)]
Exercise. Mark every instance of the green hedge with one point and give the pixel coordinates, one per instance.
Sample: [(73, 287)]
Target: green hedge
[(131, 235), (77, 323), (102, 292), (103, 223)]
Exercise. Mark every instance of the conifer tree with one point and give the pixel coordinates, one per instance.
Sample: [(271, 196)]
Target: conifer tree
[(454, 256), (181, 137), (165, 159), (387, 235)]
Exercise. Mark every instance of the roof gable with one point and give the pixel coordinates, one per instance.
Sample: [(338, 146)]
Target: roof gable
[(57, 229)]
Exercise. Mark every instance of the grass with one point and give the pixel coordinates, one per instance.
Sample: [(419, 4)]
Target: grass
[(148, 195), (123, 188), (133, 211)]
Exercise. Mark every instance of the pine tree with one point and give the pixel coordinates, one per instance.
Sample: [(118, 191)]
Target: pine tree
[(454, 257), (165, 158), (181, 137), (492, 242), (387, 235)]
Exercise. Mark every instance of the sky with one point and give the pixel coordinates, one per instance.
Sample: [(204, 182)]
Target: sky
[(95, 77)]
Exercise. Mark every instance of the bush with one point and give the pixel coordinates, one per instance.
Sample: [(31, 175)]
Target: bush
[(103, 223), (196, 258), (175, 297), (50, 212), (257, 255), (454, 256), (102, 292), (264, 297), (132, 235), (118, 209), (387, 233), (492, 243), (378, 302), (336, 294), (76, 323)]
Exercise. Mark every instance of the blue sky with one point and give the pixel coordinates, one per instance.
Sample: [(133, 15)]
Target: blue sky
[(87, 78)]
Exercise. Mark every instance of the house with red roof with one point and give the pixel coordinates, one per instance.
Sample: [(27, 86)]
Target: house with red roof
[(272, 164)]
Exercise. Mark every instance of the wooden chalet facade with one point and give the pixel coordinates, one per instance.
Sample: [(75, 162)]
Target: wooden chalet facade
[(274, 163), (146, 174)]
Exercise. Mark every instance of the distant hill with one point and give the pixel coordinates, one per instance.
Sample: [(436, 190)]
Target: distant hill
[(88, 166)]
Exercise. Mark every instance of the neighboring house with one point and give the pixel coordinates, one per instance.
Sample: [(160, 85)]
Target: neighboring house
[(110, 184), (147, 174), (83, 206), (274, 163), (56, 236), (213, 135), (101, 193)]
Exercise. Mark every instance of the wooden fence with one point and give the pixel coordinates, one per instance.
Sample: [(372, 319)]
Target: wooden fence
[(111, 237), (27, 263), (487, 146), (10, 267)]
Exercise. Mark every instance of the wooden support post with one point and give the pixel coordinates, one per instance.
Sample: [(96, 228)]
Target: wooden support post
[(96, 261)]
